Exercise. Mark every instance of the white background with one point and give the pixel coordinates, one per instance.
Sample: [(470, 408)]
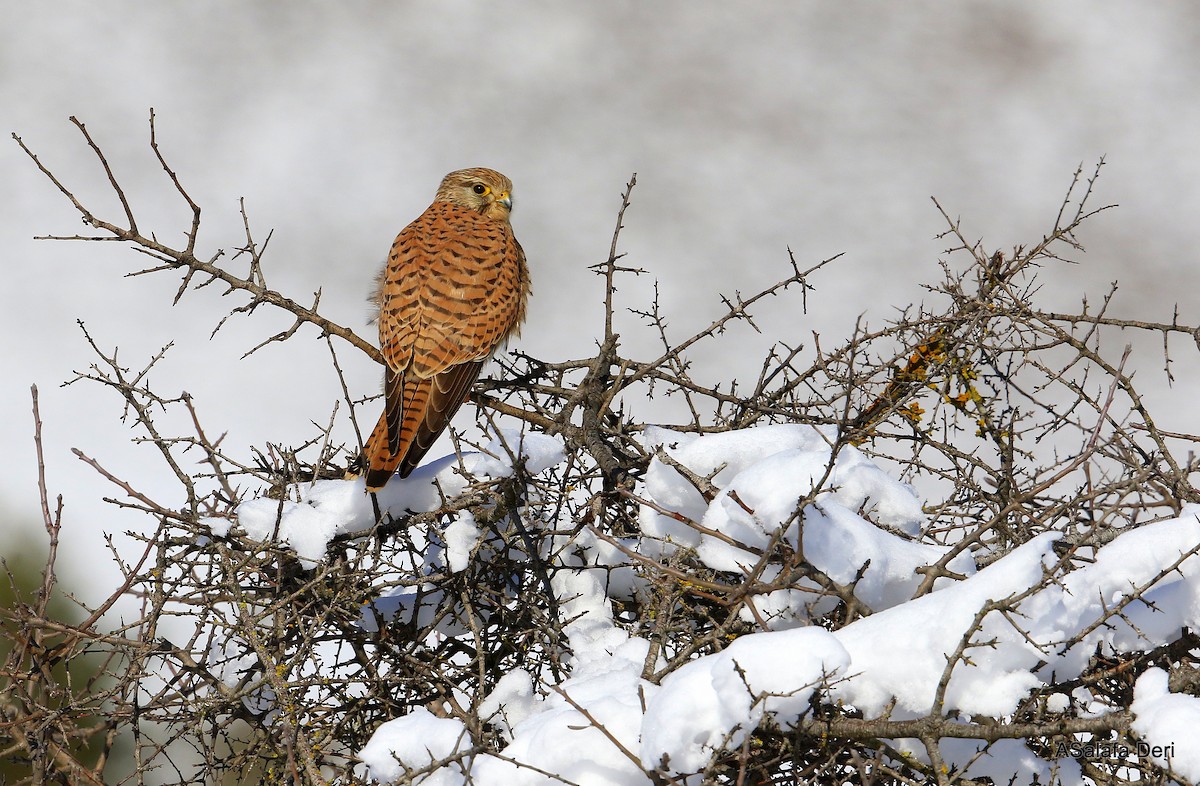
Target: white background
[(752, 127)]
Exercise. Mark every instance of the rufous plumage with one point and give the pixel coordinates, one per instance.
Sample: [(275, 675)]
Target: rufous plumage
[(453, 290)]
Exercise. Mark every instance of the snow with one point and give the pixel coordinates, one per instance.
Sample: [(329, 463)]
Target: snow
[(1004, 759), (313, 514), (715, 701), (1167, 723), (934, 625), (231, 661), (510, 702), (758, 500), (461, 538), (605, 689), (413, 743), (618, 713), (539, 451)]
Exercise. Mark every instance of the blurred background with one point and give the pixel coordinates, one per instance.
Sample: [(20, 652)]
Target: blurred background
[(823, 127)]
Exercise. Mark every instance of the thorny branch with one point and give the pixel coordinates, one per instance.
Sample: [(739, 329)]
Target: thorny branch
[(1013, 420), (185, 259)]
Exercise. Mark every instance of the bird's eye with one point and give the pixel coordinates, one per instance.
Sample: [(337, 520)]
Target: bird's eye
[(480, 188)]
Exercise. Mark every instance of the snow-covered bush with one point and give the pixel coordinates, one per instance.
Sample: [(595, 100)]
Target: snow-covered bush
[(950, 549)]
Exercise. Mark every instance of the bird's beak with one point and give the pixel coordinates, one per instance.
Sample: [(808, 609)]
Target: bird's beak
[(505, 200)]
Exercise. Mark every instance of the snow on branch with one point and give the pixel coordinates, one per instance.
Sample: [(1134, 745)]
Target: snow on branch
[(952, 548)]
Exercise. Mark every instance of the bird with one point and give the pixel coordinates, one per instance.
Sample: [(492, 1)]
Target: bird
[(453, 290)]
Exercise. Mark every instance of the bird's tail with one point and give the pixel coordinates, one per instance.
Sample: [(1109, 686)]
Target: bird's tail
[(415, 412), (381, 462), (402, 435)]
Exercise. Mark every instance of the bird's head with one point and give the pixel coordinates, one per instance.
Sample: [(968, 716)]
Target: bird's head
[(485, 191)]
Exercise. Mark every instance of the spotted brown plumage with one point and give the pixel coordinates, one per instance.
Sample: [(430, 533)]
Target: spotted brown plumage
[(453, 289)]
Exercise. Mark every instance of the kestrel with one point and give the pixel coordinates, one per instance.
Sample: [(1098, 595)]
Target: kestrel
[(454, 288)]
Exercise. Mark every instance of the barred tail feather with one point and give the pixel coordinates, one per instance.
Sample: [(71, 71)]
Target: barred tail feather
[(416, 412), (381, 462)]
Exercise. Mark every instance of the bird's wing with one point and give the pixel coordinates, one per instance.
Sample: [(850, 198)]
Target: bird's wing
[(453, 290)]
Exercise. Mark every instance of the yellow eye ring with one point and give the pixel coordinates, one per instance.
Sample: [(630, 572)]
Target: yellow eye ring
[(480, 188)]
